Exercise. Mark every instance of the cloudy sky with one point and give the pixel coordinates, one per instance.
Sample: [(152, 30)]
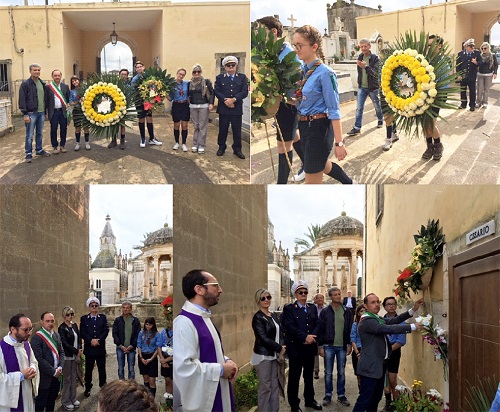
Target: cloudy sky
[(293, 208), (134, 211)]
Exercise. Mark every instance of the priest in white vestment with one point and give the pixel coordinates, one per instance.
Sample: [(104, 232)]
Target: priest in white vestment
[(202, 374), (16, 353)]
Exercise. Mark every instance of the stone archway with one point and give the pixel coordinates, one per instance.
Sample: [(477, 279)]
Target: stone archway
[(489, 27), (103, 41)]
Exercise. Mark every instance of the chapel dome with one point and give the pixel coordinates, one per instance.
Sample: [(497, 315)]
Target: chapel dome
[(342, 226), (159, 237)]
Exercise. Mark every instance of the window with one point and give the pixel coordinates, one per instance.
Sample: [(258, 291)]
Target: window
[(4, 75), (98, 283), (98, 295)]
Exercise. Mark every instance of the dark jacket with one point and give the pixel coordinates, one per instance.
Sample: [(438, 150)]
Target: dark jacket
[(119, 331), (94, 330), (28, 96), (327, 326), (195, 96), (265, 334), (237, 88), (465, 67), (45, 358), (50, 108), (297, 325), (371, 71), (485, 66), (68, 339)]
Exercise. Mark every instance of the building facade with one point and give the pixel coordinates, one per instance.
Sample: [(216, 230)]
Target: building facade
[(278, 271)]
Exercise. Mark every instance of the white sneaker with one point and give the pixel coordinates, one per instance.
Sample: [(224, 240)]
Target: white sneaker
[(184, 148), (387, 144), (176, 146), (76, 403), (301, 176), (68, 407), (87, 146), (194, 149), (77, 147), (155, 142), (142, 144), (201, 150), (485, 106), (394, 137)]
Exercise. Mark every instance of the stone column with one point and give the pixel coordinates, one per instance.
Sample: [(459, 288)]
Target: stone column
[(156, 280), (145, 286), (322, 273), (353, 272), (334, 266)]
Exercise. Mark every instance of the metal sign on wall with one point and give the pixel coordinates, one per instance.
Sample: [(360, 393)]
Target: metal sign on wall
[(486, 229)]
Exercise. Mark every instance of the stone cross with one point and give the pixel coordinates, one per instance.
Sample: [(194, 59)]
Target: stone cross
[(292, 20)]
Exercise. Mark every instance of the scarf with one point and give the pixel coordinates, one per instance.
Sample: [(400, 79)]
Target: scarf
[(488, 57), (372, 315), (298, 93), (198, 82)]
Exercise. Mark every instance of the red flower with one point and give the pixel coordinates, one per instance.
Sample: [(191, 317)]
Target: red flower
[(168, 301), (404, 274)]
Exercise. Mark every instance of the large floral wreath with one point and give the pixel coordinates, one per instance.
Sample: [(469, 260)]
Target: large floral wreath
[(107, 103), (416, 79), (155, 86), (272, 79)]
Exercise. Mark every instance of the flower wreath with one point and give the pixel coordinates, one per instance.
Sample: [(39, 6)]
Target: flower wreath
[(416, 80), (107, 103), (155, 86)]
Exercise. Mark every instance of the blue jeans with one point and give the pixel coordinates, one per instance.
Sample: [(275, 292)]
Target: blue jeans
[(36, 120), (330, 353), (360, 106), (120, 357)]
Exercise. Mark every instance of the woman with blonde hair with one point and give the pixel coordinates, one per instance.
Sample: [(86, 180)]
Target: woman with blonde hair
[(318, 108), (72, 345), (487, 71), (268, 346), (201, 102)]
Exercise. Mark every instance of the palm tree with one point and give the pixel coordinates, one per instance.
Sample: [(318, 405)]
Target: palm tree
[(312, 236)]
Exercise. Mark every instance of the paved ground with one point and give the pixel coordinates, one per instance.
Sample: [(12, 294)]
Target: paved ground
[(153, 164), (471, 150)]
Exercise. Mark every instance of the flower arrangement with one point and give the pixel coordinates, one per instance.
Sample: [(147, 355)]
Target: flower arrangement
[(415, 79), (107, 103), (168, 304), (416, 399), (155, 86), (429, 247), (272, 79), (167, 406), (435, 336)]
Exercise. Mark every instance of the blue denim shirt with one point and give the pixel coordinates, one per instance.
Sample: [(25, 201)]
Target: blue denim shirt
[(355, 335), (73, 97), (395, 337), (165, 340), (320, 93), (150, 347), (180, 92)]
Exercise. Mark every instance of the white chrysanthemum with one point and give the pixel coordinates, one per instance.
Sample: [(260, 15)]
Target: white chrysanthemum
[(413, 106), (424, 63), (434, 392), (429, 68), (432, 76), (423, 95), (419, 102), (419, 56), (419, 111), (429, 101), (433, 92), (426, 86)]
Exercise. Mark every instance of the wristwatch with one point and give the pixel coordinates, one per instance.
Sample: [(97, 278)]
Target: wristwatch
[(339, 144)]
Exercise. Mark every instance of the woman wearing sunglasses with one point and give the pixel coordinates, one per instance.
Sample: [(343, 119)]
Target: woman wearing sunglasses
[(487, 71), (72, 345), (269, 345)]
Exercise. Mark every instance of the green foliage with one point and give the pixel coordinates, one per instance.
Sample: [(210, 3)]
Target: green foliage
[(245, 390), (479, 398), (417, 399), (434, 234), (167, 79), (312, 236)]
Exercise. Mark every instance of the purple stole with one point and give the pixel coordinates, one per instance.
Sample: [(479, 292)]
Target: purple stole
[(12, 364), (208, 354)]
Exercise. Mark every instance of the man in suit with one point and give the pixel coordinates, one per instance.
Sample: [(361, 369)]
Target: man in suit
[(58, 111), (300, 321), (372, 364), (349, 301), (230, 88), (468, 62), (94, 329), (49, 353)]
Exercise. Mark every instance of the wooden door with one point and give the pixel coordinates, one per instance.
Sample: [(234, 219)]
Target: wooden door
[(474, 338)]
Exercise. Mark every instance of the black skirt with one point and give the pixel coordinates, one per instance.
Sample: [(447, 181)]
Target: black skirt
[(151, 369), (316, 138), (180, 112)]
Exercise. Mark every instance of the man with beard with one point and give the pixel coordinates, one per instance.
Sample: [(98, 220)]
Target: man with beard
[(202, 374), (18, 367)]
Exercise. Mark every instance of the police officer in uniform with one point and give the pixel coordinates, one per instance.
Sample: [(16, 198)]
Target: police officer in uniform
[(94, 330), (300, 321), (230, 88)]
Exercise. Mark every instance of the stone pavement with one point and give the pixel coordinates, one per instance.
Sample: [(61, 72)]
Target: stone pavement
[(471, 149), (152, 164)]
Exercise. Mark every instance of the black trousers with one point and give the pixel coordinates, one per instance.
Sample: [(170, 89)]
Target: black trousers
[(235, 121), (90, 361), (370, 393), (300, 364), (46, 399), (471, 84)]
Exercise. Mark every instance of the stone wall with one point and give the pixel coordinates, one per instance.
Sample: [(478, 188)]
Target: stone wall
[(43, 250), (223, 229), (139, 310)]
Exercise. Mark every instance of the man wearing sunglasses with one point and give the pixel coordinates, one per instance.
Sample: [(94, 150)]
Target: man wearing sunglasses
[(94, 330), (230, 88), (202, 374), (19, 376), (300, 321)]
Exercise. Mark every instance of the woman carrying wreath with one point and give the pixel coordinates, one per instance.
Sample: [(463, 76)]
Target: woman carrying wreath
[(201, 102), (319, 110), (145, 116), (74, 100), (180, 108)]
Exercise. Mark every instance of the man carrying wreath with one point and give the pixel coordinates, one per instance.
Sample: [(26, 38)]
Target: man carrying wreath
[(58, 111)]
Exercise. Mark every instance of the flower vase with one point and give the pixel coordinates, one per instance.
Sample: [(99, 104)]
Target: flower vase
[(426, 278), (272, 109)]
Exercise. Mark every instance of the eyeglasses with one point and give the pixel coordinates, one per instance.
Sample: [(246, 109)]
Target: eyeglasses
[(70, 314), (299, 46), (302, 292), (484, 48), (231, 65), (390, 304), (211, 283), (94, 306), (196, 71), (26, 330), (263, 298)]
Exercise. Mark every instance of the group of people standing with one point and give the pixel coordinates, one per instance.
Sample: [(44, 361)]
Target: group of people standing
[(30, 371)]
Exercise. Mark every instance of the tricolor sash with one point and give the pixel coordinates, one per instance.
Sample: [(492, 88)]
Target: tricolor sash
[(59, 94), (371, 315), (49, 341)]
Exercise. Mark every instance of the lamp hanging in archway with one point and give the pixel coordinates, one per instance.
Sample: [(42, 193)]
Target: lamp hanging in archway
[(113, 36)]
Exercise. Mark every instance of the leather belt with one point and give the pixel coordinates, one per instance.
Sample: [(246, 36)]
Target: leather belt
[(313, 117), (180, 101)]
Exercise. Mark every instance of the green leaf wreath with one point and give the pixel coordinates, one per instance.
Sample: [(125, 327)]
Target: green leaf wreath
[(429, 75), (154, 87), (107, 103), (272, 80)]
